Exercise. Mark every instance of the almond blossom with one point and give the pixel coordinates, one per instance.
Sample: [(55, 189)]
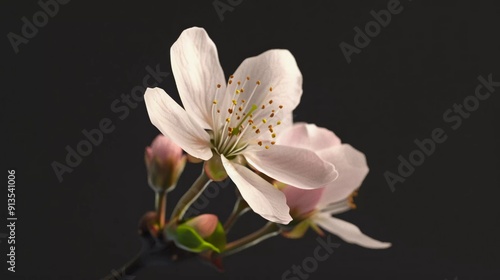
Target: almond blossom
[(313, 208), (235, 124)]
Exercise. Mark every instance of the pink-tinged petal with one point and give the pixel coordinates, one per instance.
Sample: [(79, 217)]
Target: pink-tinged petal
[(197, 71), (348, 232), (352, 168), (204, 224), (175, 123), (301, 201), (293, 166), (277, 69), (261, 196), (308, 136)]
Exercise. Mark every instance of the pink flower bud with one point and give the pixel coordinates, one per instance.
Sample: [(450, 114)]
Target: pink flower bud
[(164, 162), (204, 224)]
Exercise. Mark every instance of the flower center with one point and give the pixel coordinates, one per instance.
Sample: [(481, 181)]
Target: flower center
[(242, 117)]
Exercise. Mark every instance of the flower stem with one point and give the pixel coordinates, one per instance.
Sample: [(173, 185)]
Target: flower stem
[(129, 269), (240, 208), (161, 207), (267, 231), (190, 196)]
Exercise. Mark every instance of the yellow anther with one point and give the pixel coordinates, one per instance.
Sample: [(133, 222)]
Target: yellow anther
[(242, 90), (240, 108), (234, 102), (267, 147), (228, 119), (278, 123), (214, 102), (273, 135), (258, 82), (237, 91), (242, 100), (254, 127), (272, 143), (264, 120)]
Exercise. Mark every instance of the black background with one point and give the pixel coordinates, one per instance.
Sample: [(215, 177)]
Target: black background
[(443, 221)]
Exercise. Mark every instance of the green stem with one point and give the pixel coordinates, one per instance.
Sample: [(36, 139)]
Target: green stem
[(267, 231), (161, 207), (190, 196), (240, 208)]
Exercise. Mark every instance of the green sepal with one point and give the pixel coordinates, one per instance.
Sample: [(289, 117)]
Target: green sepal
[(188, 239)]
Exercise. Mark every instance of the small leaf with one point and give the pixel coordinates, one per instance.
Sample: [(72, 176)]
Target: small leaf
[(188, 239)]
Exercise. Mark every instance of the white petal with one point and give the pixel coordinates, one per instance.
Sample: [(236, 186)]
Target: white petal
[(175, 123), (277, 69), (261, 196), (308, 136), (348, 232), (352, 168), (293, 166), (197, 71)]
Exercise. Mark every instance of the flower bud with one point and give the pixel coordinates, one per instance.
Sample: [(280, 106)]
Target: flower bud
[(165, 163), (199, 234)]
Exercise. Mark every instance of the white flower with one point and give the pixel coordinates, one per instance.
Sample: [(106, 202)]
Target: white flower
[(237, 122), (316, 207)]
